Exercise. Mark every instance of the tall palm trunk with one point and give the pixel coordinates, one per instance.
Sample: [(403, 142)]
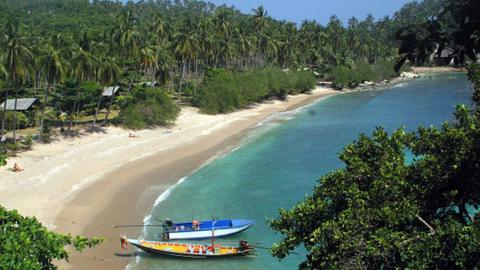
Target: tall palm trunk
[(196, 77), (108, 107), (15, 118), (96, 111), (4, 113), (182, 74), (44, 107)]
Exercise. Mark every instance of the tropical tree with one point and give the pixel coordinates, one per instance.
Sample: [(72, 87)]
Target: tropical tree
[(126, 37), (84, 64), (27, 244), (18, 60), (53, 68), (107, 74)]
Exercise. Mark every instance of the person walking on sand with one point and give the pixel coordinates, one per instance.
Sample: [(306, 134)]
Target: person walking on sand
[(123, 242)]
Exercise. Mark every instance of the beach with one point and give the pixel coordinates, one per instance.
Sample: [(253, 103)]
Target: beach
[(85, 185)]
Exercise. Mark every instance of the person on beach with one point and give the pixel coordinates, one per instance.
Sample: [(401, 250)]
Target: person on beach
[(132, 135), (123, 242), (17, 168)]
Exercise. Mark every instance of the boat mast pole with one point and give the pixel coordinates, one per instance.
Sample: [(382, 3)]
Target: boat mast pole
[(213, 235)]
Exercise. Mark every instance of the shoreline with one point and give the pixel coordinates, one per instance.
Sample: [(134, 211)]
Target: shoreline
[(118, 199), (86, 185)]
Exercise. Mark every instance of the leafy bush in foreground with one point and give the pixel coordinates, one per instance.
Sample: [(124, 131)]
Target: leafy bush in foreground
[(149, 107), (26, 244), (225, 91)]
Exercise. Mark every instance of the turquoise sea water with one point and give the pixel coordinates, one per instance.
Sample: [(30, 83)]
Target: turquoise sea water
[(282, 159)]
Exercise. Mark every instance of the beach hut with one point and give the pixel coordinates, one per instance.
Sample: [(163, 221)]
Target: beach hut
[(109, 92), (445, 57), (149, 84), (23, 104), (16, 104)]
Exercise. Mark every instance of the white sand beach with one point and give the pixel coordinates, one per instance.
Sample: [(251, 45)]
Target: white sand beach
[(82, 177)]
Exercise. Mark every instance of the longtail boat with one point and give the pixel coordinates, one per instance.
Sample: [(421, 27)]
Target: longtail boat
[(203, 229), (193, 250)]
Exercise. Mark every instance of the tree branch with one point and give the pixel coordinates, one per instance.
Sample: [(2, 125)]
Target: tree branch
[(432, 230)]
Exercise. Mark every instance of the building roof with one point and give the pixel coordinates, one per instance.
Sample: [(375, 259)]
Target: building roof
[(110, 90), (446, 52), (151, 84), (23, 104)]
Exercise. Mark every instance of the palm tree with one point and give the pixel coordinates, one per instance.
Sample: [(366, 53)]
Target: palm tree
[(161, 29), (53, 68), (127, 38), (148, 60), (83, 67), (17, 62), (107, 74), (186, 50), (260, 26)]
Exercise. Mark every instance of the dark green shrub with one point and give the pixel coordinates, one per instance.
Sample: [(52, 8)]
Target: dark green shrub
[(225, 92), (304, 81), (28, 142), (149, 107), (341, 76), (3, 154), (22, 119), (385, 70), (363, 72)]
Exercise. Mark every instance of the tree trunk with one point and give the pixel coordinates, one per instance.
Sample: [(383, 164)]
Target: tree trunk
[(71, 115), (15, 119), (196, 78), (42, 118), (4, 112), (181, 80), (108, 108), (76, 118), (96, 111)]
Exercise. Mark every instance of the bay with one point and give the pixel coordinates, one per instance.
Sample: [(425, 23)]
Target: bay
[(282, 159)]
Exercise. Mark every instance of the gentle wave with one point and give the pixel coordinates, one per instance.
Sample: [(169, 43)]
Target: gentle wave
[(147, 219), (163, 197)]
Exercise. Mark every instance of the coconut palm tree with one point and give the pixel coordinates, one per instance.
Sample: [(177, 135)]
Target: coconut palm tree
[(84, 64), (261, 27), (53, 68), (18, 60), (107, 74), (126, 37)]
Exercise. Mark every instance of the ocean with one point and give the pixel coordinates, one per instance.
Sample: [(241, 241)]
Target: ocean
[(282, 158)]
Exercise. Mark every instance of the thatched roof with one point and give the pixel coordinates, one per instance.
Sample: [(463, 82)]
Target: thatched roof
[(22, 104), (110, 90)]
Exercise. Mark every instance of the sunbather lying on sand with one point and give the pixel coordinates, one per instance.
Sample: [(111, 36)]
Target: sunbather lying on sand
[(17, 168)]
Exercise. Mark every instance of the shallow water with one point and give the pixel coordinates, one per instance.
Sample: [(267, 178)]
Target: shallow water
[(282, 159)]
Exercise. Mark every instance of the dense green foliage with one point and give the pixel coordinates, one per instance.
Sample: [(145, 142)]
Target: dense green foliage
[(361, 72), (225, 92), (148, 107), (446, 29), (26, 244)]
